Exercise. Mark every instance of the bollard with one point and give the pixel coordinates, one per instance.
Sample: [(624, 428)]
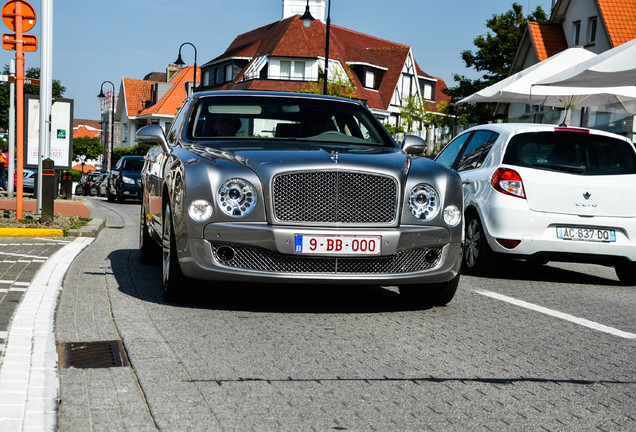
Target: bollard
[(48, 189)]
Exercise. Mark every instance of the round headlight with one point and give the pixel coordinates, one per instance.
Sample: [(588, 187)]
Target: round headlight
[(237, 197), (452, 215), (424, 202), (200, 210)]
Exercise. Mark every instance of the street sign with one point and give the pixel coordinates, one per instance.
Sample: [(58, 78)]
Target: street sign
[(28, 15), (29, 42), (27, 81)]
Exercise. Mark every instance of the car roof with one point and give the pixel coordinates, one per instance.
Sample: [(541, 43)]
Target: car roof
[(270, 94), (515, 128)]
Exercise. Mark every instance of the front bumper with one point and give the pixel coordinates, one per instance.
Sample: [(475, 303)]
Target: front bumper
[(265, 253)]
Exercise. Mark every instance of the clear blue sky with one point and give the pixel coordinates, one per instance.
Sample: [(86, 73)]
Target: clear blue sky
[(96, 40)]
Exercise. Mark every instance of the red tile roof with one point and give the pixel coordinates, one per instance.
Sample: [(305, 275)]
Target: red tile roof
[(289, 38), (136, 92), (620, 18), (96, 124), (170, 103), (548, 39), (82, 131)]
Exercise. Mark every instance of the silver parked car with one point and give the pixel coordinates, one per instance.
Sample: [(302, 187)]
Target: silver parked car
[(277, 187)]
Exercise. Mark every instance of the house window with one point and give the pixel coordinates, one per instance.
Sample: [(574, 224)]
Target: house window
[(576, 33), (228, 73), (427, 91), (206, 78), (299, 70), (369, 79), (591, 30), (285, 69), (292, 70)]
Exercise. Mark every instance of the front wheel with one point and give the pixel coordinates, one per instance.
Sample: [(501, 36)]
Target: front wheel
[(426, 295), (173, 280), (626, 272)]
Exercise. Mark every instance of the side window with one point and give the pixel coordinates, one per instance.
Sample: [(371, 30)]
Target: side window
[(477, 150), (449, 154), (176, 124)]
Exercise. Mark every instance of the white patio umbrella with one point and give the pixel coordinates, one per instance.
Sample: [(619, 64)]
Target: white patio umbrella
[(613, 68), (522, 87)]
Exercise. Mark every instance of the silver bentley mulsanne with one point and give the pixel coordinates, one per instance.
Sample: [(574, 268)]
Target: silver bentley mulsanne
[(286, 187)]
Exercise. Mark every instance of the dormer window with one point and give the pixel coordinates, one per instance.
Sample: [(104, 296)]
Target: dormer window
[(292, 70), (369, 79), (591, 30), (576, 33)]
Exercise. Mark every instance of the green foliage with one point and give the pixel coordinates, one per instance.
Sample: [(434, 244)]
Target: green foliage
[(57, 91), (138, 150), (393, 130), (340, 87), (494, 56), (413, 113), (89, 147)]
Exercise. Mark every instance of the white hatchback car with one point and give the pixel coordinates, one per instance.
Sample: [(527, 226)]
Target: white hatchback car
[(546, 193)]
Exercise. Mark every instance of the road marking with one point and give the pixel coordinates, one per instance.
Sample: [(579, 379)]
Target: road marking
[(581, 321)]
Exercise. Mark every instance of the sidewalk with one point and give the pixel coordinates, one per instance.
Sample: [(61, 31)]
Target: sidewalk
[(32, 271)]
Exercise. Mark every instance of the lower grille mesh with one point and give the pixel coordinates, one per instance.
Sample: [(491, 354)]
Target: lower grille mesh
[(257, 259)]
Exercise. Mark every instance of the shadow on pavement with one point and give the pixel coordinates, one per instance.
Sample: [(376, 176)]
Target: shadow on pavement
[(523, 270), (145, 284)]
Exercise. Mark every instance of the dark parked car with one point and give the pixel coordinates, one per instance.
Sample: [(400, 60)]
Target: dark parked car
[(293, 188), (123, 181), (103, 185), (86, 182), (96, 186)]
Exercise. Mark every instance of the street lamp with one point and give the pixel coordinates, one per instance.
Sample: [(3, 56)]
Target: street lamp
[(179, 62), (101, 96), (307, 20)]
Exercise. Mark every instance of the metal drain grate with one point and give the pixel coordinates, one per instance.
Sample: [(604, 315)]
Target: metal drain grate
[(103, 354)]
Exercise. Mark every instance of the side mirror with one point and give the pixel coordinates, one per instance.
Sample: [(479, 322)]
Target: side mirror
[(414, 145), (153, 135)]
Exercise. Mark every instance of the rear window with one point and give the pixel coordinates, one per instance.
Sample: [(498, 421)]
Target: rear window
[(573, 152)]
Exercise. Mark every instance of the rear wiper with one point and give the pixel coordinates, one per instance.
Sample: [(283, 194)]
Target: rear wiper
[(564, 168)]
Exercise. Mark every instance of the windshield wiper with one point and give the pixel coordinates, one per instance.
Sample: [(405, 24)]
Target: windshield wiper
[(564, 168)]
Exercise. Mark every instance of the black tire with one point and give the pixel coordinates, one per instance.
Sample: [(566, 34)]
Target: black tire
[(626, 272), (427, 295), (478, 257), (149, 250), (173, 281)]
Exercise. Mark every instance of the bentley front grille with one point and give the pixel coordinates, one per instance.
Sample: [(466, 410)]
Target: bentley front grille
[(335, 197), (408, 261)]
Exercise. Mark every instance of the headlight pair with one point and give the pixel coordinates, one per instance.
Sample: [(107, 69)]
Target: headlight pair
[(236, 197), (425, 204)]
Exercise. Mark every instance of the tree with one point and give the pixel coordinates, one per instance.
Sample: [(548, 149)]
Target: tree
[(88, 147), (57, 91), (494, 57), (413, 112), (340, 87)]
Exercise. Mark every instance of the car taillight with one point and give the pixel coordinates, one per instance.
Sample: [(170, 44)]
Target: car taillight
[(508, 181), (571, 129)]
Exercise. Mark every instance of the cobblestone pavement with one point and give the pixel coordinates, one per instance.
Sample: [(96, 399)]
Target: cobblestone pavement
[(20, 259), (323, 358)]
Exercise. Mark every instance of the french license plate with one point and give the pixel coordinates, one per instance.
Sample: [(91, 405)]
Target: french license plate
[(338, 245), (586, 234)]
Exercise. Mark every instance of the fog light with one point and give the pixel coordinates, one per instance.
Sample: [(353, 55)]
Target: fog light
[(200, 210), (509, 244), (452, 215), (225, 253)]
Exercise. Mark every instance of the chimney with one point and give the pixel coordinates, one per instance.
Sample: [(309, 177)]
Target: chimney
[(297, 7), (171, 71)]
